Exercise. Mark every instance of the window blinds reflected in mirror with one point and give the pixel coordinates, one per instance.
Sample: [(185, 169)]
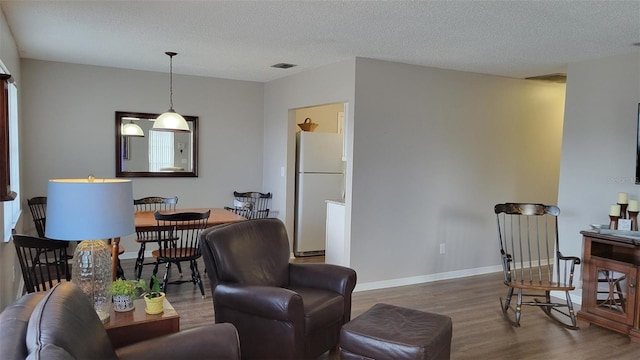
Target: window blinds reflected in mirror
[(161, 152)]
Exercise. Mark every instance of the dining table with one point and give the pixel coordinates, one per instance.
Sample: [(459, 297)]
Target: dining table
[(143, 219), (146, 219)]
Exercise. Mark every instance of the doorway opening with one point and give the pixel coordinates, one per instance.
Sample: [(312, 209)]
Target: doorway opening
[(320, 173)]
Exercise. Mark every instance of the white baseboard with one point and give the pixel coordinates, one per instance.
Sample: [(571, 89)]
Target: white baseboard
[(576, 295), (426, 278), (20, 288), (134, 255)]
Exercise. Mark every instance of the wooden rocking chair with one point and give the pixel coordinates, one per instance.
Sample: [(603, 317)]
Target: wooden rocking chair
[(532, 263)]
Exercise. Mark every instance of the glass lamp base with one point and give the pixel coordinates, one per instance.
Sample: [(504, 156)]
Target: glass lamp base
[(92, 273), (104, 316)]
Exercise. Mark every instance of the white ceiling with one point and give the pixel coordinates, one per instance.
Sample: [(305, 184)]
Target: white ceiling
[(242, 39)]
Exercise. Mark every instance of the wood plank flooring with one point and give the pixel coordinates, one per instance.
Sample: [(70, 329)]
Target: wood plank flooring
[(479, 330)]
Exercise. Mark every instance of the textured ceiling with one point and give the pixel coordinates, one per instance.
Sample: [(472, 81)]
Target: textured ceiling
[(241, 39)]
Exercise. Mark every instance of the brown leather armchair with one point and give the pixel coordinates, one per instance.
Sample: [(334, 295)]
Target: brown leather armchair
[(62, 324), (281, 310)]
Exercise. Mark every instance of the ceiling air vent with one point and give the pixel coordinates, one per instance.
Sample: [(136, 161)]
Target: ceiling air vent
[(557, 78), (283, 66)]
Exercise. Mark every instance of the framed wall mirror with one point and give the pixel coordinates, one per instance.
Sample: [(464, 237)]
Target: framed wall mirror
[(156, 153)]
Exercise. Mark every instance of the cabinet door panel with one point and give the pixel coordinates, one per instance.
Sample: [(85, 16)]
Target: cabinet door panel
[(615, 295)]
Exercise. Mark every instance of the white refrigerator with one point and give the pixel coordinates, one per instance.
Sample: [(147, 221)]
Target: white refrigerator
[(319, 177)]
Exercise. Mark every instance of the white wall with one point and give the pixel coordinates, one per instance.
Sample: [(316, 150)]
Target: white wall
[(599, 143), (433, 151), (69, 122), (9, 267)]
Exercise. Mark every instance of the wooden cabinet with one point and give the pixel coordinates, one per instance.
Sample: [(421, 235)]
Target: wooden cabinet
[(610, 282), (126, 328)]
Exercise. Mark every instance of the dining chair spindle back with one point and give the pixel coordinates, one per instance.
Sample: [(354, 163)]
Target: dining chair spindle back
[(43, 262), (177, 236), (150, 203)]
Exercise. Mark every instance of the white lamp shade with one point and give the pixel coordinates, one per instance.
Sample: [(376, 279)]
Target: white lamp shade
[(132, 129), (171, 121), (78, 209)]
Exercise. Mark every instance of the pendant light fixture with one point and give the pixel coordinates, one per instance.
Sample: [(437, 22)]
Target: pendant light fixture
[(131, 129), (171, 120)]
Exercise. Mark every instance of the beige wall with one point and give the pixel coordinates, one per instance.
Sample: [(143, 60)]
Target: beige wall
[(69, 116), (433, 151), (330, 84)]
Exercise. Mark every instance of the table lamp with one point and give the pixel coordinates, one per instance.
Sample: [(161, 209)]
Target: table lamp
[(91, 210)]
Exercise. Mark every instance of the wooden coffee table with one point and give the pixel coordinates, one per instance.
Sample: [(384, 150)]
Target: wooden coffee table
[(133, 326)]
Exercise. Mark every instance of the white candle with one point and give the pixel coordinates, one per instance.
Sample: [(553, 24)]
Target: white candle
[(614, 210), (623, 198), (633, 205)]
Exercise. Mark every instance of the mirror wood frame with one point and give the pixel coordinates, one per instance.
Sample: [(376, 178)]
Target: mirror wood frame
[(5, 158), (119, 153), (638, 148)]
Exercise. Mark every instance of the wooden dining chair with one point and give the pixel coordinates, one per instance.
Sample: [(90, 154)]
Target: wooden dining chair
[(150, 203), (119, 271), (38, 208), (532, 263), (178, 240), (155, 203), (43, 262), (252, 204)]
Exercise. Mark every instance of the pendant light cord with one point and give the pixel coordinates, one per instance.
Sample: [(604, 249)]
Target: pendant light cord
[(171, 82), (171, 55)]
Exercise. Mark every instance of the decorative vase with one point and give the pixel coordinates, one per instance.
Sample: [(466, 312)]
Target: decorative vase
[(154, 305), (122, 303)]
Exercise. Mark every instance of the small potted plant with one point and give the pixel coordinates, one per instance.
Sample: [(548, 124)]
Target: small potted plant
[(153, 297), (124, 292)]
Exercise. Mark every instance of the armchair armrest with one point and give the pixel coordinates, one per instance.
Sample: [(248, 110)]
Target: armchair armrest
[(219, 341), (264, 301), (339, 279)]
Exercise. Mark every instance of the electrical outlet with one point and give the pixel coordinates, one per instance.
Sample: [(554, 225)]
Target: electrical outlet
[(442, 248)]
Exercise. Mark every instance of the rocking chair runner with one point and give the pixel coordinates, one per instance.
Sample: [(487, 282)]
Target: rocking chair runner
[(532, 262)]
